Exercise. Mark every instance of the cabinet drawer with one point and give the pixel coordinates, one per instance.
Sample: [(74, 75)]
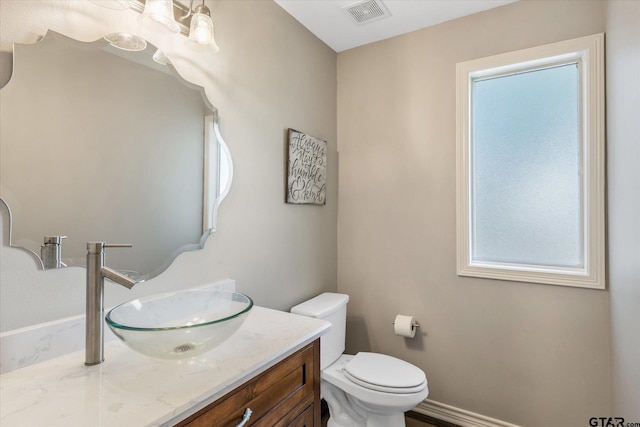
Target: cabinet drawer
[(305, 419), (287, 388)]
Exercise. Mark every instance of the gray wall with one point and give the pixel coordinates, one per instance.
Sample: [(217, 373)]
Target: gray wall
[(529, 354), (270, 74), (623, 124)]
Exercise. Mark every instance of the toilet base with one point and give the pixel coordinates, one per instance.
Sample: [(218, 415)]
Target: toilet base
[(396, 420), (347, 411)]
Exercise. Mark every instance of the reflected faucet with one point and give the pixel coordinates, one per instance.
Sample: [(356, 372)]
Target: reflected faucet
[(51, 252), (96, 273)]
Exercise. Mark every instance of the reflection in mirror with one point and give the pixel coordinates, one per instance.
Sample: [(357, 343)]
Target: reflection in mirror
[(102, 144)]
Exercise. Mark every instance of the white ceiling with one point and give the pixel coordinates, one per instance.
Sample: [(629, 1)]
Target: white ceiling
[(332, 24)]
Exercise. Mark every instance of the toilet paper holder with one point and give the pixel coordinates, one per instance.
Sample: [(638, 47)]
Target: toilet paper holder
[(414, 324)]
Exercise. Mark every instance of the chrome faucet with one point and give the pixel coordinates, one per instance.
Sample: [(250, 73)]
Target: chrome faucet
[(96, 273), (51, 252)]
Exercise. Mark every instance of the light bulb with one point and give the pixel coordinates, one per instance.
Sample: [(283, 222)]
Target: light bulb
[(202, 35)]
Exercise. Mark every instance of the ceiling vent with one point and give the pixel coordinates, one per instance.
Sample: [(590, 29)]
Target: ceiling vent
[(367, 11)]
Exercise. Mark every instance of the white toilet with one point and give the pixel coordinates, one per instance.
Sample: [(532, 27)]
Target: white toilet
[(365, 390)]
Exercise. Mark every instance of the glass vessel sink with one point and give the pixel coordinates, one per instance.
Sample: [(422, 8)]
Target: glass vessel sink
[(180, 324)]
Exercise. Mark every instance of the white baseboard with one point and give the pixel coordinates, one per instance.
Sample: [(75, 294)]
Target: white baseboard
[(458, 416)]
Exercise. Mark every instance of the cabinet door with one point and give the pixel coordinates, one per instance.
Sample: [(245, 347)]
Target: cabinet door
[(276, 397)]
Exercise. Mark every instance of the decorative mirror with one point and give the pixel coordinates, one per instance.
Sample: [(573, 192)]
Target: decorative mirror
[(98, 143)]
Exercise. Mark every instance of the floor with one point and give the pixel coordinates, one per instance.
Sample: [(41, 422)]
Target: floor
[(412, 422)]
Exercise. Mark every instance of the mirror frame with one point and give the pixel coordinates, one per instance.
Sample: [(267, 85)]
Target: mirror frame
[(212, 195)]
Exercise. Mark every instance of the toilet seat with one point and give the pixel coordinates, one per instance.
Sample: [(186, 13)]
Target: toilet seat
[(384, 373), (377, 400)]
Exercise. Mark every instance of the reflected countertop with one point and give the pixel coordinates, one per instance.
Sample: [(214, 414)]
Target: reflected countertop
[(131, 389)]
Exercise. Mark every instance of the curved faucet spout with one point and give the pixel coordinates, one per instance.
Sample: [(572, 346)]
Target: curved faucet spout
[(117, 277)]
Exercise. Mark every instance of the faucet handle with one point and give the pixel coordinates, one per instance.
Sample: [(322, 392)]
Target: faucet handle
[(98, 247), (117, 245)]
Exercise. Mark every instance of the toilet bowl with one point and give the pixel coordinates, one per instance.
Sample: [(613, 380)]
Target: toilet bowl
[(366, 389), (372, 401)]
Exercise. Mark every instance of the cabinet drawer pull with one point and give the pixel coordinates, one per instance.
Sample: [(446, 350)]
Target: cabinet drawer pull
[(245, 417)]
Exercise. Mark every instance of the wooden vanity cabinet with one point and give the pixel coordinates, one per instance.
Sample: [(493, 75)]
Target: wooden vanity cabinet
[(285, 395)]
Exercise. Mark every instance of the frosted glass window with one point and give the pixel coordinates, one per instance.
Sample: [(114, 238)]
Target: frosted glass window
[(530, 162), (526, 177)]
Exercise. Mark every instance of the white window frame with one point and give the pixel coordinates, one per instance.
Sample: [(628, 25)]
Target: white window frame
[(589, 53)]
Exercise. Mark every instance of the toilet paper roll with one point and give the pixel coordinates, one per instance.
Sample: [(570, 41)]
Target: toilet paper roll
[(405, 326)]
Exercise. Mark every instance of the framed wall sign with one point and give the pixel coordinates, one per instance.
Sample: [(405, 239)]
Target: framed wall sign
[(306, 169)]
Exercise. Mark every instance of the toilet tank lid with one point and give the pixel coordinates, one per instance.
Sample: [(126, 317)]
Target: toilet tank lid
[(322, 305)]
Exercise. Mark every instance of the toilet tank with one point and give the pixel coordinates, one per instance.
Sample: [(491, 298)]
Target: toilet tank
[(332, 308)]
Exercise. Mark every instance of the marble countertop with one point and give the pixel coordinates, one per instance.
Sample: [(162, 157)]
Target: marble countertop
[(129, 389)]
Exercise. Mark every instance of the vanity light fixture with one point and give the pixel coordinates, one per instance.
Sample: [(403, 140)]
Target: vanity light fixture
[(193, 22)]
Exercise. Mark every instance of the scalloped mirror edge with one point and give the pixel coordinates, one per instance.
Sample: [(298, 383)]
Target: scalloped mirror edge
[(5, 219), (216, 186)]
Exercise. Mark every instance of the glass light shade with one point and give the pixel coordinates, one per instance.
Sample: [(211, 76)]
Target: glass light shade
[(201, 30), (160, 58), (201, 35), (213, 46), (126, 41), (112, 4), (161, 11)]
